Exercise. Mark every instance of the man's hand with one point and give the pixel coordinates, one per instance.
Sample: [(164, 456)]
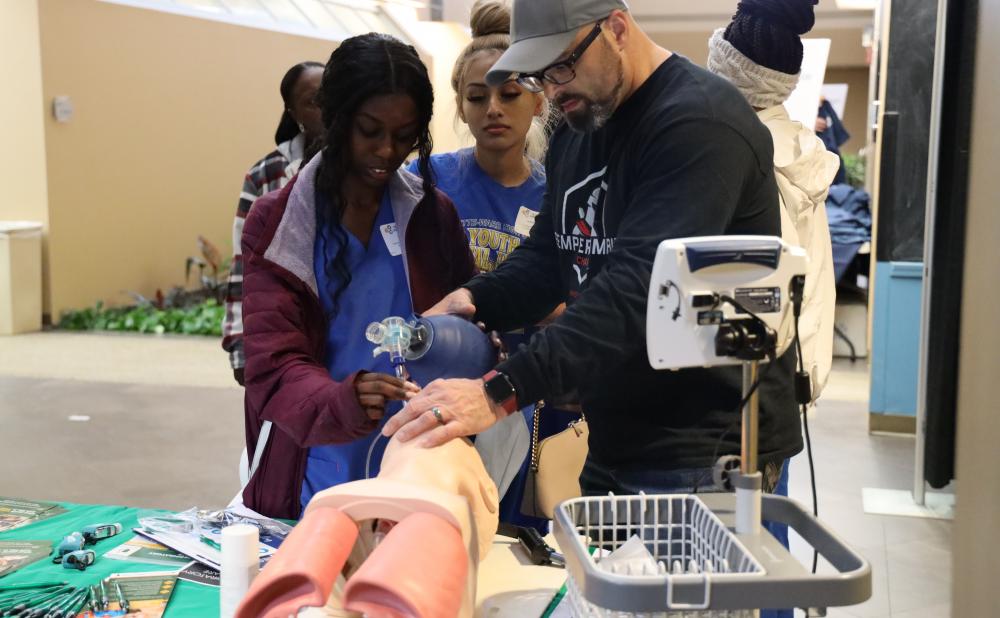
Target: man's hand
[(373, 390), (458, 302), (463, 410), (240, 375)]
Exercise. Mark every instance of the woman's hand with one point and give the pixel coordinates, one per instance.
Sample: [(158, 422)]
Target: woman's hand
[(375, 389)]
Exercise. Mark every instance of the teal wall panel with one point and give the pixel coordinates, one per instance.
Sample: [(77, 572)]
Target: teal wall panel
[(896, 338)]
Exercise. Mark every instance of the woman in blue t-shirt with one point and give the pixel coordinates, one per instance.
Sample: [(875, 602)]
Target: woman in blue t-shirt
[(497, 185)]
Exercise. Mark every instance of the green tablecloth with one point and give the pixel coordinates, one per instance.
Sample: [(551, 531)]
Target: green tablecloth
[(189, 600)]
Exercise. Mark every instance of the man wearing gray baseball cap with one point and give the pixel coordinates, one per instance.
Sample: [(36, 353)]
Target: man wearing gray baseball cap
[(652, 147)]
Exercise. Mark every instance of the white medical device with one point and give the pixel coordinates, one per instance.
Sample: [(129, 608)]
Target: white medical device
[(725, 300), (688, 321)]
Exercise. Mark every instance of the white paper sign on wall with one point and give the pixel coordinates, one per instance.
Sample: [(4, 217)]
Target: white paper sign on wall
[(836, 94), (804, 101)]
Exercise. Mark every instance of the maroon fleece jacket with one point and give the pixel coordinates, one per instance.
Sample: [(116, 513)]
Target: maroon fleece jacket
[(285, 338)]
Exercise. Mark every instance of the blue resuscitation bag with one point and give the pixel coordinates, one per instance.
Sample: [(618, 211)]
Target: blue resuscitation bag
[(440, 346)]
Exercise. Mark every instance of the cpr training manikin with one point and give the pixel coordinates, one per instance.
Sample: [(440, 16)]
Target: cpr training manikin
[(404, 544)]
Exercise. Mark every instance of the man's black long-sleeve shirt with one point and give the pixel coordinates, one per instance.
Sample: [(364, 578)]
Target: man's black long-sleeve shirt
[(683, 156)]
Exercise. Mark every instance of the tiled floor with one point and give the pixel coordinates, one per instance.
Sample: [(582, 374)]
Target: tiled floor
[(165, 424), (120, 358), (165, 430), (910, 558)]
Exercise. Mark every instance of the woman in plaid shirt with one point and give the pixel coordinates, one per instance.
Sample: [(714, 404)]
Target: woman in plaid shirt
[(301, 123)]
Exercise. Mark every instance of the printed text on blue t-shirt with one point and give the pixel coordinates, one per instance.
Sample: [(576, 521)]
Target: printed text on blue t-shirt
[(490, 242)]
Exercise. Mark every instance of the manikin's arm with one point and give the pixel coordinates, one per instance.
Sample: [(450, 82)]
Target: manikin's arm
[(446, 511)]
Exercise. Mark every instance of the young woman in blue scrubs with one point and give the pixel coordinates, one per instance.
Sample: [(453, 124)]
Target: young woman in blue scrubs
[(497, 185), (358, 254), (351, 240)]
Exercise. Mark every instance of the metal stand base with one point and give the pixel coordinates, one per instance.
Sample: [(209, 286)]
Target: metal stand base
[(900, 502)]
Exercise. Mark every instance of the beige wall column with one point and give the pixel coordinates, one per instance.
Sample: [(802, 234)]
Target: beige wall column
[(22, 111), (449, 39), (977, 512)]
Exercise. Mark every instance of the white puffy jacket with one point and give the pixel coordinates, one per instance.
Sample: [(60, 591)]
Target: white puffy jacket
[(804, 169)]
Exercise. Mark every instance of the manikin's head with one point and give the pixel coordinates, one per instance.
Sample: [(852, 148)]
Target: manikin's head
[(583, 54)]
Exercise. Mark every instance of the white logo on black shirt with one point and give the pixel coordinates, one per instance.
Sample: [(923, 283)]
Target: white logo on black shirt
[(583, 230)]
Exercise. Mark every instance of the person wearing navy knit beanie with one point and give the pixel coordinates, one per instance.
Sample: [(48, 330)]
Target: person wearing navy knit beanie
[(760, 53)]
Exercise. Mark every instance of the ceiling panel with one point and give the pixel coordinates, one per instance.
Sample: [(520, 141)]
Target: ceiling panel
[(286, 12), (248, 8), (321, 17), (210, 6), (325, 19)]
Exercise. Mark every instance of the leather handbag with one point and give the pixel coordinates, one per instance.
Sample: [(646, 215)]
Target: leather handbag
[(555, 466)]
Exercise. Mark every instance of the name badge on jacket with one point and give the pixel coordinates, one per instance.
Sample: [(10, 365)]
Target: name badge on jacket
[(391, 239)]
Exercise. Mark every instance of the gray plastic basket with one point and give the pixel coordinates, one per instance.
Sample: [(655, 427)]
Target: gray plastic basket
[(704, 569)]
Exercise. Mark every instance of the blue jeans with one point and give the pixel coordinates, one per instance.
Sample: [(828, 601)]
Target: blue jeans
[(598, 480)]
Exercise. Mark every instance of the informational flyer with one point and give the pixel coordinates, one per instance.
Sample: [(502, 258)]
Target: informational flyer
[(17, 554), (15, 512), (198, 573), (198, 534), (201, 547), (139, 549)]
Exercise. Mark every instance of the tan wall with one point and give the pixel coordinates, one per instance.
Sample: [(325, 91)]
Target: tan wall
[(977, 509), (22, 159), (170, 113)]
